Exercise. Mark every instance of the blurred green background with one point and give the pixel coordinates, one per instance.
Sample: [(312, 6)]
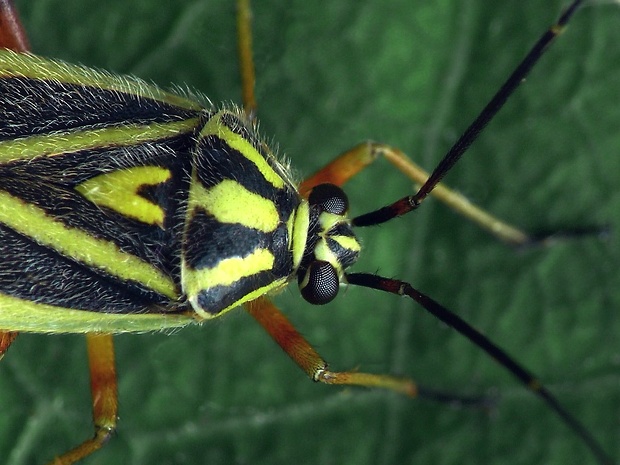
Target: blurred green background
[(331, 74)]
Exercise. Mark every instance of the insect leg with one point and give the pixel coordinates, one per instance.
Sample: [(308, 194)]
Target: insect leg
[(354, 160), (12, 34), (306, 358), (6, 339), (246, 62), (359, 157), (304, 355), (104, 394), (527, 379), (458, 149)]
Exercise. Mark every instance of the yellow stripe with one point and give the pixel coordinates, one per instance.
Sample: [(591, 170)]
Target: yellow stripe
[(24, 315), (32, 221), (348, 242), (215, 127), (230, 202), (118, 191), (298, 226), (61, 143), (226, 272), (323, 252), (31, 66), (330, 220)]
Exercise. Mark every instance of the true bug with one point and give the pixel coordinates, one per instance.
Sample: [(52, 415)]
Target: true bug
[(358, 312)]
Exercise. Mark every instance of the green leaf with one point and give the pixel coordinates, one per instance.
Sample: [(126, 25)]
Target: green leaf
[(331, 74)]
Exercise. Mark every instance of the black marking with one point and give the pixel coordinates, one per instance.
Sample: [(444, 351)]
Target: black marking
[(246, 130), (346, 257), (342, 229), (216, 298), (49, 184), (36, 106), (208, 242), (216, 161), (56, 280)]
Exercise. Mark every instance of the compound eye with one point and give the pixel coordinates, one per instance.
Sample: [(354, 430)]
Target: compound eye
[(330, 198), (320, 283)]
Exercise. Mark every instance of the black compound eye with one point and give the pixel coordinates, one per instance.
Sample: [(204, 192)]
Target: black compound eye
[(322, 283), (330, 198)]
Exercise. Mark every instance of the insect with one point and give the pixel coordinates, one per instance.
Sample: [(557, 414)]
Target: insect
[(365, 316)]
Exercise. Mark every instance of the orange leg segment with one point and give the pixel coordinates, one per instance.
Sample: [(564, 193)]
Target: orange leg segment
[(12, 34), (6, 339), (304, 355), (354, 160), (246, 60), (104, 394)]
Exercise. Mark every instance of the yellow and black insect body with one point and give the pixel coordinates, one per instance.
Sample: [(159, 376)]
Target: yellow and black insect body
[(150, 203), (87, 195)]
